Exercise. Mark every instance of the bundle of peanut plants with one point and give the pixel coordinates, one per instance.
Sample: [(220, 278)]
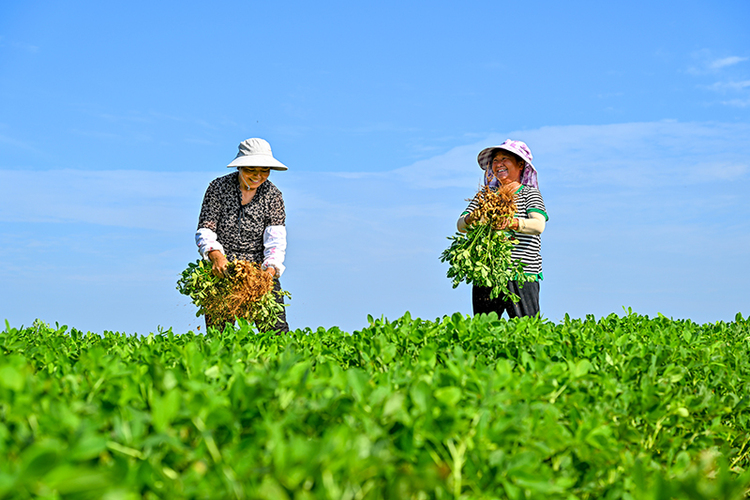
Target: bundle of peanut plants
[(246, 292), (482, 256)]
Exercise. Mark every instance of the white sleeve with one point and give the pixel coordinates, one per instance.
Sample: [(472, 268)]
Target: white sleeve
[(535, 224), (274, 243), (461, 224), (207, 241)]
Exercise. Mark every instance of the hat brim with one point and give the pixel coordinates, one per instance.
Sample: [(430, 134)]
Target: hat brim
[(264, 161), (483, 158)]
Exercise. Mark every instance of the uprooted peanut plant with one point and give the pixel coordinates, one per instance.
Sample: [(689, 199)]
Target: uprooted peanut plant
[(246, 292), (482, 256)]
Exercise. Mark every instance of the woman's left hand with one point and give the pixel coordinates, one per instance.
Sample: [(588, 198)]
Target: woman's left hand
[(509, 224)]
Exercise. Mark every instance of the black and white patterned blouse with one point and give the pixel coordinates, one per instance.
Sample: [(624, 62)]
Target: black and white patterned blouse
[(240, 228)]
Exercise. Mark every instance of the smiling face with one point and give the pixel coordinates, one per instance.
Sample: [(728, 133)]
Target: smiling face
[(507, 167), (252, 177)]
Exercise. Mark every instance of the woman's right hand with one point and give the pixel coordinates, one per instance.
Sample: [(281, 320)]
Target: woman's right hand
[(219, 263)]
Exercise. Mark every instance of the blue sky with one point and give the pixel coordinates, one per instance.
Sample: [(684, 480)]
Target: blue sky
[(114, 118)]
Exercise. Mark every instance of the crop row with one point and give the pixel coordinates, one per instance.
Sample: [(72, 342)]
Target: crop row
[(459, 407)]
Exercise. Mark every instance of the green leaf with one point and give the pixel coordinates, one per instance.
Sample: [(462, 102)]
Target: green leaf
[(580, 368), (88, 447), (12, 378), (165, 408), (449, 396)]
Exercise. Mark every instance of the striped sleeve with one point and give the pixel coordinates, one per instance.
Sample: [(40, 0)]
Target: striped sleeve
[(533, 202), (472, 206), (528, 247)]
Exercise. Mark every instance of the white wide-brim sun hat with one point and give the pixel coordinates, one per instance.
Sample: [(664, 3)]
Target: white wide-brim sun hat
[(256, 153)]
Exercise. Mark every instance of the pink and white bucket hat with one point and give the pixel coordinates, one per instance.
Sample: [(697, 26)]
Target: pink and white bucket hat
[(517, 147)]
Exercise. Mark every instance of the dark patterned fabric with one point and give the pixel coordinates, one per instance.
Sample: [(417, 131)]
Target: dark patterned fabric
[(239, 228)]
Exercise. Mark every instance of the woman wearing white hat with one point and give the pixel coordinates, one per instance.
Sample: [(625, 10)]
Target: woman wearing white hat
[(243, 217), (509, 165)]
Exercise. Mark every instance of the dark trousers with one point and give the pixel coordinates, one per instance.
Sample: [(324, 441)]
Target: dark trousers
[(527, 306), (281, 325)]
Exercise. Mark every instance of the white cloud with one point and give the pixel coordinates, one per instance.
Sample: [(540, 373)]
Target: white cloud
[(635, 209), (121, 198), (726, 61), (615, 194), (738, 103), (730, 171), (734, 87), (730, 86), (603, 155), (10, 141), (707, 63), (619, 157)]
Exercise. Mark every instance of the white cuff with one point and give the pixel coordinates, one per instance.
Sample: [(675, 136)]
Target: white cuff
[(461, 224), (274, 251), (207, 241)]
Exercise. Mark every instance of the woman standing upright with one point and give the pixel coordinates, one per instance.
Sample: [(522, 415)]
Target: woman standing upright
[(243, 217), (509, 166)]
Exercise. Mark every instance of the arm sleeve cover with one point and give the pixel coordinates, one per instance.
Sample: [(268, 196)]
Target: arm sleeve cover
[(207, 241), (461, 223), (274, 251), (535, 224)]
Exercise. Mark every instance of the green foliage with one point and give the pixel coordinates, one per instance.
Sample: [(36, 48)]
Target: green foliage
[(620, 408), (482, 256), (200, 284)]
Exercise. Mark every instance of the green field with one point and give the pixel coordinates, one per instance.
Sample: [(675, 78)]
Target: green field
[(624, 407)]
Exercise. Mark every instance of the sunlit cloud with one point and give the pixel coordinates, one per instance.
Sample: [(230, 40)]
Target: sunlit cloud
[(726, 61), (738, 103), (619, 156), (730, 86), (120, 198), (731, 171), (707, 63), (733, 87), (637, 202), (15, 143)]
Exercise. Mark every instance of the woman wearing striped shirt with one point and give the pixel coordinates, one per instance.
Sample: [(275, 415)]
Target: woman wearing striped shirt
[(509, 165)]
